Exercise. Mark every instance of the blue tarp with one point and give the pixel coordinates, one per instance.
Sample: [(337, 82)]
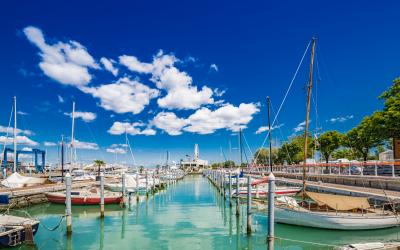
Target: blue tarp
[(4, 199)]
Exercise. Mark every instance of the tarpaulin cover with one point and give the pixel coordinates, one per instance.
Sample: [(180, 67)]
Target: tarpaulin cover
[(339, 202)]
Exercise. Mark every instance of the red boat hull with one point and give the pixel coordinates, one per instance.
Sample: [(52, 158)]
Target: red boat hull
[(83, 200)]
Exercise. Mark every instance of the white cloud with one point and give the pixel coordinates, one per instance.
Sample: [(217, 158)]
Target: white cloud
[(115, 145), (124, 96), (133, 64), (60, 99), (67, 63), (341, 118), (22, 113), (219, 92), (265, 128), (169, 122), (186, 98), (85, 116), (49, 144), (116, 150), (85, 145), (108, 65), (206, 121), (21, 140), (135, 128), (214, 67), (10, 130), (300, 126), (181, 94)]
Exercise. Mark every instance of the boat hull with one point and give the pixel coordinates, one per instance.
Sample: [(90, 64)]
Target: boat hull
[(332, 221), (60, 199), (15, 235)]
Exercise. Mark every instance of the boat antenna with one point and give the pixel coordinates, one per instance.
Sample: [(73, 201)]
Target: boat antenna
[(269, 134), (309, 89), (15, 135)]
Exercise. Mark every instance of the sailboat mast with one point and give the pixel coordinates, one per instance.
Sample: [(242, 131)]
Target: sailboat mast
[(15, 135), (72, 135), (240, 147), (62, 158), (309, 89), (269, 133)]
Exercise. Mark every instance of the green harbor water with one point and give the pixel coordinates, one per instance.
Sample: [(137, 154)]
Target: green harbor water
[(188, 215)]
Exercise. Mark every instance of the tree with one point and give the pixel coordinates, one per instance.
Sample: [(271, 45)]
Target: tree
[(389, 118), (297, 145), (329, 142), (344, 153), (364, 137), (99, 164), (229, 164), (262, 155), (293, 151)]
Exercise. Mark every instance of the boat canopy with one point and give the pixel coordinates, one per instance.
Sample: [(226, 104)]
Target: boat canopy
[(339, 202)]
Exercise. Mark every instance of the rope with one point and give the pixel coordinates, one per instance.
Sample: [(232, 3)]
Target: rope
[(56, 227), (41, 223), (307, 242), (284, 98)]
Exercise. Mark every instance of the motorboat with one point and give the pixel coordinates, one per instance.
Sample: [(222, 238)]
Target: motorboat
[(90, 196)]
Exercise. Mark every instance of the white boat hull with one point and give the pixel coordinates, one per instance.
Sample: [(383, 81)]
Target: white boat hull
[(342, 221)]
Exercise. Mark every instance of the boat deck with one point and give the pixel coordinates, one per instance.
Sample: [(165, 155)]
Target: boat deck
[(379, 194)]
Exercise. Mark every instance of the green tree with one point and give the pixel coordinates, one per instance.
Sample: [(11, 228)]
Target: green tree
[(389, 117), (298, 146), (99, 164), (229, 164), (347, 153), (364, 137), (262, 155), (293, 151), (329, 142)]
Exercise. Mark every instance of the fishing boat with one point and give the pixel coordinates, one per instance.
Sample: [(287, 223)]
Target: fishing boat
[(89, 196), (329, 211), (15, 230)]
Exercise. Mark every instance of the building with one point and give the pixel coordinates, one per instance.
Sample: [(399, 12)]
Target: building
[(386, 155), (195, 164)]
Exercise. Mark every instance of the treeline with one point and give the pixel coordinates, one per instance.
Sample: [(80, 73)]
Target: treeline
[(376, 131)]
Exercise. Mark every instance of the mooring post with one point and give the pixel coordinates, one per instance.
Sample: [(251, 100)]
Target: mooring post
[(137, 187), (101, 194), (154, 182), (271, 212), (230, 189), (223, 185), (249, 219), (237, 196), (147, 185), (68, 186), (123, 189)]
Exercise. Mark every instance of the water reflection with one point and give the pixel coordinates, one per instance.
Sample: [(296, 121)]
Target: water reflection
[(190, 214)]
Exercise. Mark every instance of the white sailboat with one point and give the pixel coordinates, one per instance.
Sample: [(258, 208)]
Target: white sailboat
[(327, 210)]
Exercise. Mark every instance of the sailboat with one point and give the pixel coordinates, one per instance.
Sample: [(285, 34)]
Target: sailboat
[(329, 211)]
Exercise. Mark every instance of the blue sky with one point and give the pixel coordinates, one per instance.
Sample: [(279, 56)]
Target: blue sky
[(182, 72)]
